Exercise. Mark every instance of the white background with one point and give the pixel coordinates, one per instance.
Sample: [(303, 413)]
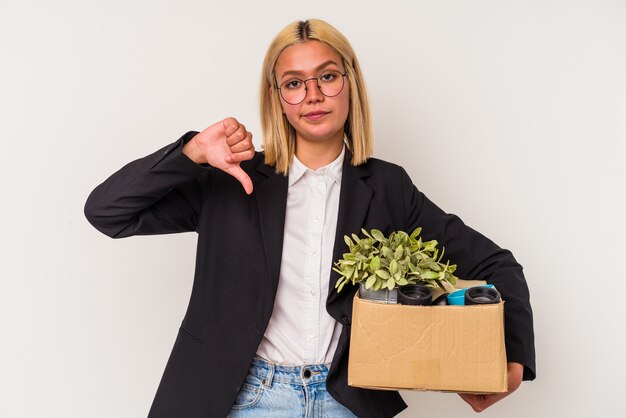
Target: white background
[(510, 114)]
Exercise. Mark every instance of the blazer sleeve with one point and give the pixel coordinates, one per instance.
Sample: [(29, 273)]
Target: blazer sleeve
[(158, 194), (478, 258)]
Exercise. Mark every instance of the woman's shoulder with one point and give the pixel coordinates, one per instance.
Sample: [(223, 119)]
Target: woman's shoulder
[(377, 166)]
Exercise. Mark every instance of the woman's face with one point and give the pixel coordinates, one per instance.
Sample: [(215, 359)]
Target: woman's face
[(318, 117)]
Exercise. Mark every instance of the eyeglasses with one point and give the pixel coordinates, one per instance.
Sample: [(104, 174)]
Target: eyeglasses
[(294, 90)]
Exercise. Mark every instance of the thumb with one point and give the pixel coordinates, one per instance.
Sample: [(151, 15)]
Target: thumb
[(241, 176)]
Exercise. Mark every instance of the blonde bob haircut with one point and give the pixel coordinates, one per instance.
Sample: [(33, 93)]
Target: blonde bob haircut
[(279, 137)]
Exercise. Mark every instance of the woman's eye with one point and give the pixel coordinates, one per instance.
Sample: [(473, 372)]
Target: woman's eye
[(328, 77), (293, 84)]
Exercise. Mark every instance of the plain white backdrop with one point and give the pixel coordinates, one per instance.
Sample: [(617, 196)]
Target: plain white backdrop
[(510, 114)]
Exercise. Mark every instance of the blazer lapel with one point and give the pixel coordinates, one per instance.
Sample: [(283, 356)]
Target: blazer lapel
[(354, 201), (271, 195)]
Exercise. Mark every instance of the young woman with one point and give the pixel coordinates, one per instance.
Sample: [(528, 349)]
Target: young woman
[(265, 333)]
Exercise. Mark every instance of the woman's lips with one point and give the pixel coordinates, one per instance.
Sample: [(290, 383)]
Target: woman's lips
[(315, 115)]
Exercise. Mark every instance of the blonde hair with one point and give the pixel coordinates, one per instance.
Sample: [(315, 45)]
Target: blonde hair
[(279, 137)]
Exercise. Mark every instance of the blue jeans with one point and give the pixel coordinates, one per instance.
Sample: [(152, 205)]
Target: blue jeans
[(274, 390)]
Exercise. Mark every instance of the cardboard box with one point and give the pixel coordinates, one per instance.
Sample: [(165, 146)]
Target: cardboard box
[(443, 348)]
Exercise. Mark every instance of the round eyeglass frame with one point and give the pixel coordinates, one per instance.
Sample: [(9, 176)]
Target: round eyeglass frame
[(306, 89)]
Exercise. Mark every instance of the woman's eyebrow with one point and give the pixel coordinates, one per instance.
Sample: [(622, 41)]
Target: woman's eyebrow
[(319, 67)]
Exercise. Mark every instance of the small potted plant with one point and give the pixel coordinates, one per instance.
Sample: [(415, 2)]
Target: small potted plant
[(382, 264)]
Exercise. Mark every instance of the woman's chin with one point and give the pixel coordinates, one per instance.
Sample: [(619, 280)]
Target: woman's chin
[(322, 134)]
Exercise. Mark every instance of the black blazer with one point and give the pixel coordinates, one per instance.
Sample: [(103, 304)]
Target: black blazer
[(238, 260)]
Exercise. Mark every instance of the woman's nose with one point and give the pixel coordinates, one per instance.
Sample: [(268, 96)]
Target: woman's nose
[(313, 92)]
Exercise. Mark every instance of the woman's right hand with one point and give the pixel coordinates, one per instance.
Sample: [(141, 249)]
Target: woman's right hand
[(223, 145)]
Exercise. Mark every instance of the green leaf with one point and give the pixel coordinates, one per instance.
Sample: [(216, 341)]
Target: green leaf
[(375, 263), (393, 266), (359, 256), (383, 274), (429, 275), (378, 235), (387, 253), (452, 279), (348, 241), (434, 266), (341, 282), (416, 232), (391, 284), (402, 281), (399, 252), (370, 281)]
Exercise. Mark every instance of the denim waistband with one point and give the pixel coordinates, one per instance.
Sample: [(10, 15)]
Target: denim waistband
[(298, 375)]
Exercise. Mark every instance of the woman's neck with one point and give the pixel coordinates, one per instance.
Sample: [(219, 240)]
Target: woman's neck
[(314, 154)]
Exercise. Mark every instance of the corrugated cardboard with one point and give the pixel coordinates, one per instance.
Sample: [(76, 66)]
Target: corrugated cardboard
[(443, 348)]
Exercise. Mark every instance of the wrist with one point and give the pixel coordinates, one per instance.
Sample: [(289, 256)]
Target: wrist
[(192, 151)]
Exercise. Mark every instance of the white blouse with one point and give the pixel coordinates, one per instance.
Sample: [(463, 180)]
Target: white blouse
[(300, 331)]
